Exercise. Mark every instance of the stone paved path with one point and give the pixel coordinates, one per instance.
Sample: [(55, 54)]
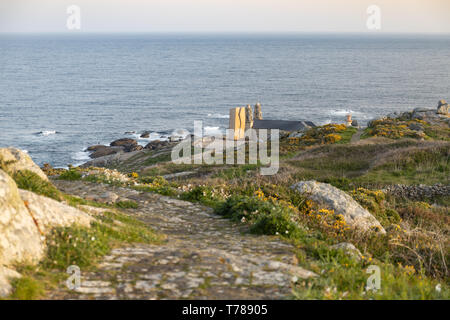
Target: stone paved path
[(205, 256)]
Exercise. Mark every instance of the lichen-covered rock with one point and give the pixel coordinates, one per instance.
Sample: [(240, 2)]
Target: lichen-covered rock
[(16, 160), (349, 249), (50, 213), (20, 240), (354, 214)]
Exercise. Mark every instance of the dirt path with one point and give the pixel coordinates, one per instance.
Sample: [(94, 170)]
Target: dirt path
[(357, 136), (205, 256)]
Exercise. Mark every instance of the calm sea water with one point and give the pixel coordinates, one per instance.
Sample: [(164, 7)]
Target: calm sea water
[(62, 93)]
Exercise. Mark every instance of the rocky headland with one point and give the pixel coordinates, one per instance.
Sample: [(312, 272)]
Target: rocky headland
[(141, 227)]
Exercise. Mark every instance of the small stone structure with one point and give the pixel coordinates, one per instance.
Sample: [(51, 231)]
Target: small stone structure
[(258, 112), (248, 116), (242, 119)]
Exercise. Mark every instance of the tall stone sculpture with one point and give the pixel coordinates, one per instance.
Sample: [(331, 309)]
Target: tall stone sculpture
[(248, 117), (258, 112), (237, 122)]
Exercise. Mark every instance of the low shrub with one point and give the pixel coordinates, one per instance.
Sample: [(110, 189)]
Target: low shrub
[(128, 204), (70, 175)]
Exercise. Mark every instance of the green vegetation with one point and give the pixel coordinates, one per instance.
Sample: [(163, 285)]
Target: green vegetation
[(128, 204), (70, 175), (82, 247), (27, 288), (30, 181)]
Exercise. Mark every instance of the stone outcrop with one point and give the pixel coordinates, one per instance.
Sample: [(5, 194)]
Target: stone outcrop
[(123, 142), (145, 135), (20, 239), (339, 201), (156, 144), (101, 151), (50, 213), (15, 160), (116, 147), (25, 219)]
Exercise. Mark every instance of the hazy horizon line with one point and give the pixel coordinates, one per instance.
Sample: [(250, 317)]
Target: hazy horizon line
[(371, 33)]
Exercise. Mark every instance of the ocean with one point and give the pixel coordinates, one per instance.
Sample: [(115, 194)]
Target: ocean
[(60, 93)]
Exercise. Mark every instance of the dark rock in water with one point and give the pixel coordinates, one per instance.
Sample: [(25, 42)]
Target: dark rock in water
[(102, 151), (157, 144), (123, 142), (95, 147), (145, 134), (132, 147), (130, 132)]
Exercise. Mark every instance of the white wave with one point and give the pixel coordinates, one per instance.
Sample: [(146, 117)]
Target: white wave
[(212, 130), (344, 112), (218, 116), (47, 132), (80, 156), (180, 133)]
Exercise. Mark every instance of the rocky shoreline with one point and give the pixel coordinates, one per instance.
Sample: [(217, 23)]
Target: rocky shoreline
[(124, 148)]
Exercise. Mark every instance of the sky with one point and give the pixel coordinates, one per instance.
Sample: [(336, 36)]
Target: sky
[(397, 16)]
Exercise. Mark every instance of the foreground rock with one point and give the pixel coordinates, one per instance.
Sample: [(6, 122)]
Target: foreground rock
[(16, 160), (20, 239), (50, 213), (354, 214), (25, 219)]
